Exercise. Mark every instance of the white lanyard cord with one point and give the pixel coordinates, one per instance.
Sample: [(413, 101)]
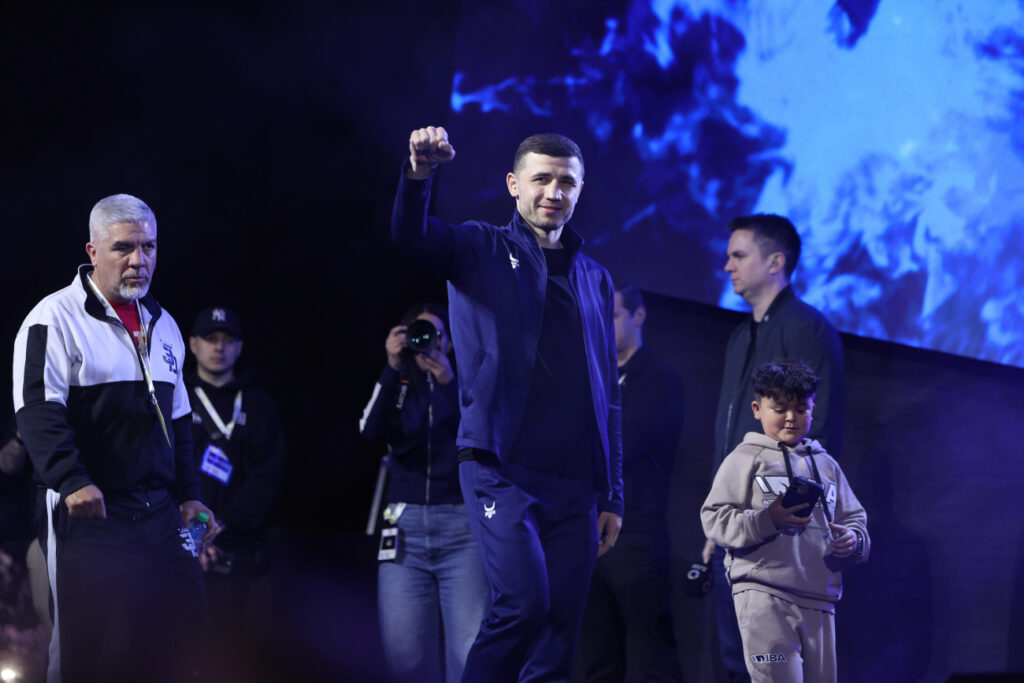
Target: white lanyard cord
[(141, 351), (225, 429)]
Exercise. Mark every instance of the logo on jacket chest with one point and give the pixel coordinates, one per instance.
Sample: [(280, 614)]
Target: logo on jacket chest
[(168, 357)]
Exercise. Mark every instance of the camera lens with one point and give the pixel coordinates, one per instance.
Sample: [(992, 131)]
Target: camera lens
[(422, 336)]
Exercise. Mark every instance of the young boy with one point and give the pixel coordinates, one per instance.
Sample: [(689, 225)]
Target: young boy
[(784, 568)]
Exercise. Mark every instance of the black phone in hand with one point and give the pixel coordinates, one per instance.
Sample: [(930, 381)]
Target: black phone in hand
[(803, 490)]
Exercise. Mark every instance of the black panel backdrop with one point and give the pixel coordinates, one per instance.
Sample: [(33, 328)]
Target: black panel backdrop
[(267, 140)]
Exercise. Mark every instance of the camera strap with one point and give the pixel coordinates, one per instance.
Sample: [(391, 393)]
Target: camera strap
[(817, 478)]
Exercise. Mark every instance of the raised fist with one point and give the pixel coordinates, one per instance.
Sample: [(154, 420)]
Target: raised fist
[(429, 147)]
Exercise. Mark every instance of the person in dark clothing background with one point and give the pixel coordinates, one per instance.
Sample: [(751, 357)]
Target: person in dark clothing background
[(240, 454), (432, 591), (627, 632), (16, 493), (762, 254), (22, 638)]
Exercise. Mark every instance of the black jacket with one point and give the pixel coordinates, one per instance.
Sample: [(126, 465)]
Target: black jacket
[(790, 329), (420, 424), (652, 424), (256, 451)]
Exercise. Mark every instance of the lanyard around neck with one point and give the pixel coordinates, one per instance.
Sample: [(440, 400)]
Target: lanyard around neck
[(141, 350), (224, 429)]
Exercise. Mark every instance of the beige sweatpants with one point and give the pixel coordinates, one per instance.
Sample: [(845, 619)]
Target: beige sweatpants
[(785, 643)]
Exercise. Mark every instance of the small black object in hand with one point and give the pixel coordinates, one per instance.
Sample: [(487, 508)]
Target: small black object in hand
[(698, 581)]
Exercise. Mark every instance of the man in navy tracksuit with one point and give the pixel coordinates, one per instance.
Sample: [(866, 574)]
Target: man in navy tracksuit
[(541, 452)]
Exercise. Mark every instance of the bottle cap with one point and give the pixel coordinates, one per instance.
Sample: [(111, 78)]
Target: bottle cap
[(203, 518)]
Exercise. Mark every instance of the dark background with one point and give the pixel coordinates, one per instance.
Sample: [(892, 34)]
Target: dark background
[(267, 138)]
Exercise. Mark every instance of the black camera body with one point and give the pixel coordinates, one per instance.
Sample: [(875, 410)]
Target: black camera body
[(803, 490), (699, 580), (422, 336)]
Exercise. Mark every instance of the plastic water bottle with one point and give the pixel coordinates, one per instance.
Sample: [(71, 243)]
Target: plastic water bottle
[(197, 528)]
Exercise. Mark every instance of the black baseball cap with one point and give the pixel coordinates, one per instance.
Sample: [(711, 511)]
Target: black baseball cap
[(217, 318)]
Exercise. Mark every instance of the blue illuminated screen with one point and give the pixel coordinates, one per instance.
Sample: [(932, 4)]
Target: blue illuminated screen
[(889, 131)]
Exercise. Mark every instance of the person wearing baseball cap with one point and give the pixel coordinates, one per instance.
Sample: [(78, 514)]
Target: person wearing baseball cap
[(217, 318), (240, 455)]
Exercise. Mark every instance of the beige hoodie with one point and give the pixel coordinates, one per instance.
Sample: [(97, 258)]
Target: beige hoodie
[(790, 564)]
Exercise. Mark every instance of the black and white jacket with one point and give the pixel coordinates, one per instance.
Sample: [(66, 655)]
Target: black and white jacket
[(83, 406)]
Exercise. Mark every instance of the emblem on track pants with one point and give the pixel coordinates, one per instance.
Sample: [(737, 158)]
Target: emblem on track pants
[(489, 510), (769, 658)]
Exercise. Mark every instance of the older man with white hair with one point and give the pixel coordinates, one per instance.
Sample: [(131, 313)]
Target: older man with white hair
[(103, 410)]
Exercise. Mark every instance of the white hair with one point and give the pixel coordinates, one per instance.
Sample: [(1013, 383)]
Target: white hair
[(118, 208)]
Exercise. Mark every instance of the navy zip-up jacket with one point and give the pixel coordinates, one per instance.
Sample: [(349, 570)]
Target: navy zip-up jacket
[(497, 280)]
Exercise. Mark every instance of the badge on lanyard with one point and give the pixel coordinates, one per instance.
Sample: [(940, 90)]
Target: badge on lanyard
[(216, 464), (389, 543)]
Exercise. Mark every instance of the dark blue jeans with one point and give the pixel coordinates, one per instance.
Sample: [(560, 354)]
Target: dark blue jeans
[(433, 596)]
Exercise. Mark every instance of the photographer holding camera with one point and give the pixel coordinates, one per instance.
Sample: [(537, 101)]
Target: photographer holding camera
[(430, 572)]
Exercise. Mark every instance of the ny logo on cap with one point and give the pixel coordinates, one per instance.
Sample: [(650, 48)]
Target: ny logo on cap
[(219, 315)]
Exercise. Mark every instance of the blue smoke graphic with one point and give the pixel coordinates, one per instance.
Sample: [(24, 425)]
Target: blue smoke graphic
[(889, 131)]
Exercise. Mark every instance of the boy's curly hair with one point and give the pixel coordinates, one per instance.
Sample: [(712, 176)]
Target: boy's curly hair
[(789, 378)]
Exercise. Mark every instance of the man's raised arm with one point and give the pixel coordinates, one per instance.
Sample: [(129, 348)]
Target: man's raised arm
[(431, 241)]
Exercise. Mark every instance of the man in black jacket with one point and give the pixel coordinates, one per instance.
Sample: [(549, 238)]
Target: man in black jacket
[(627, 632), (762, 254), (240, 455)]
